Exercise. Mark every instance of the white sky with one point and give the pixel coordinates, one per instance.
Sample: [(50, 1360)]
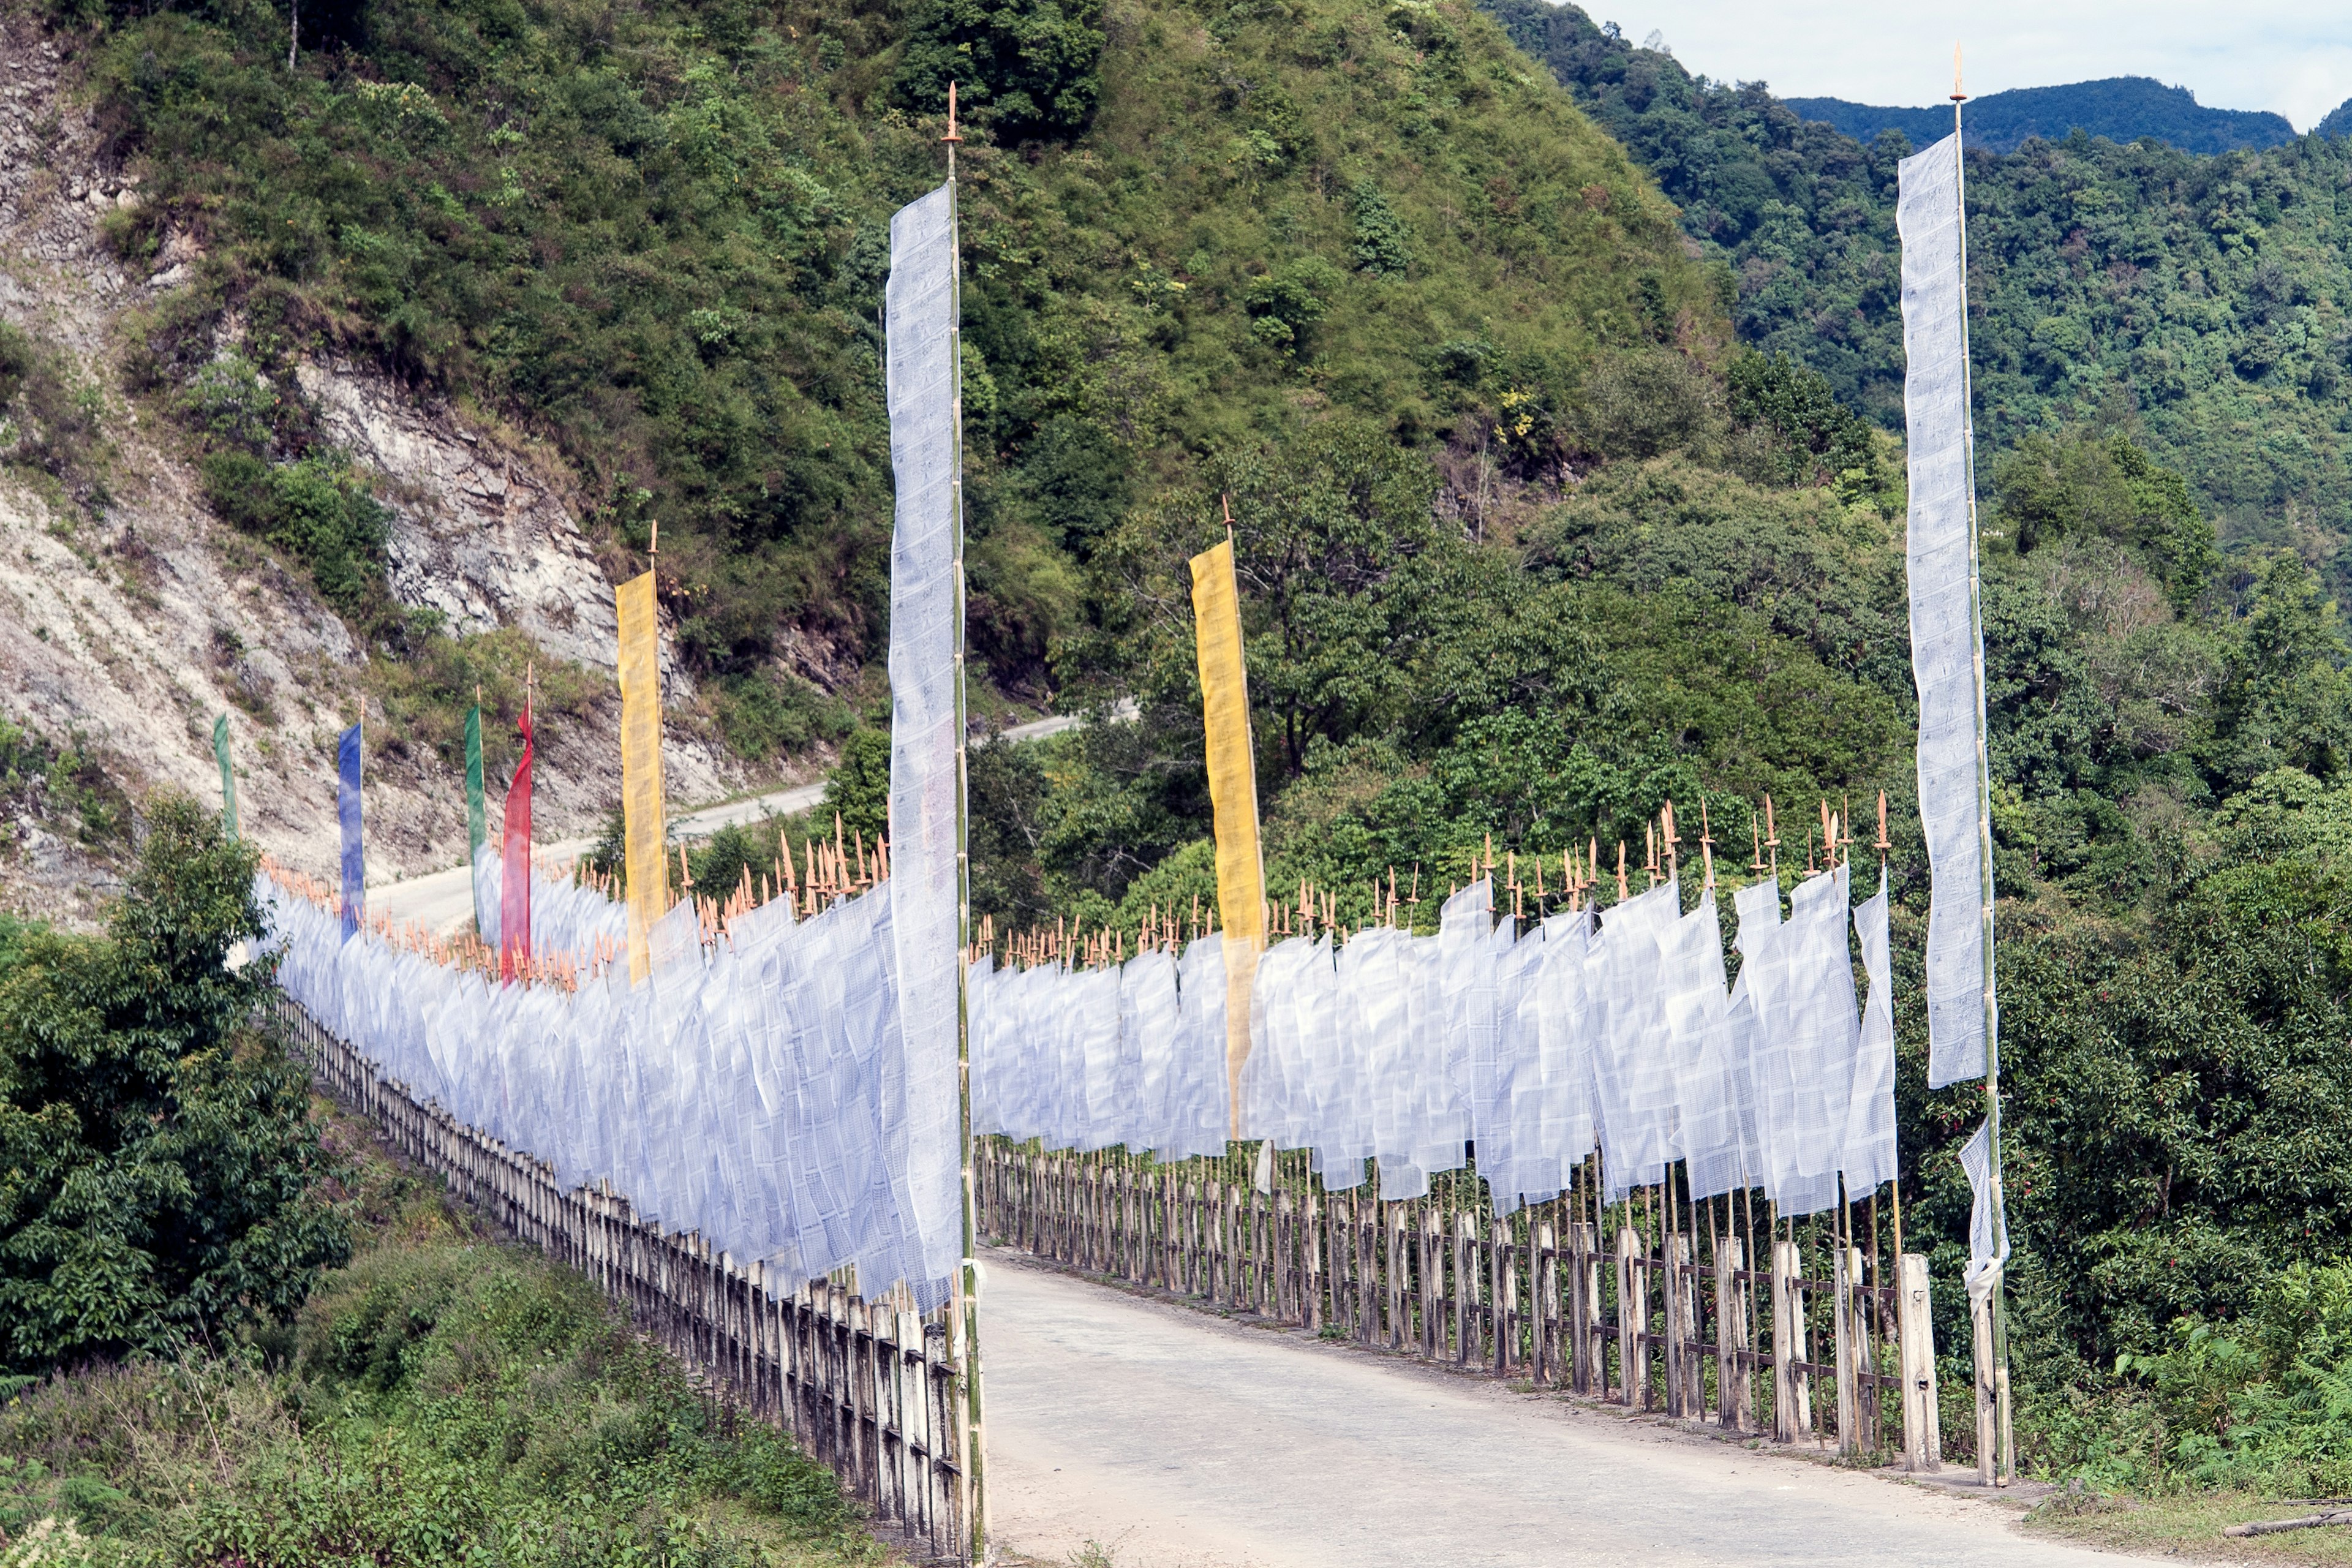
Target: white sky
[(2293, 56)]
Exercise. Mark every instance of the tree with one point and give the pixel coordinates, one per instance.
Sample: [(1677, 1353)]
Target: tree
[(1035, 64), (2288, 702), (859, 785), (161, 1171)]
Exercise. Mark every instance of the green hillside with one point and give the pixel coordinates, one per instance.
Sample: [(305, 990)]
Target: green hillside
[(656, 237), (2200, 299)]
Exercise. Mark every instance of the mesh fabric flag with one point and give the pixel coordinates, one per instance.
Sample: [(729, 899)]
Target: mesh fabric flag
[(1870, 1117), (514, 874), (1987, 1237), (647, 867), (1947, 647), (1232, 793), (228, 775), (347, 817), (920, 308), (478, 834)]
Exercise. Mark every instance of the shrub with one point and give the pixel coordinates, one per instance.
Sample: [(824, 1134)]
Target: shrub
[(1383, 242), (163, 1169), (317, 510), (766, 714), (1286, 303), (2264, 1403), (859, 785)]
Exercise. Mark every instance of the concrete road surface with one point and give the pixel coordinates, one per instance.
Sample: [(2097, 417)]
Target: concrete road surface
[(1176, 1439)]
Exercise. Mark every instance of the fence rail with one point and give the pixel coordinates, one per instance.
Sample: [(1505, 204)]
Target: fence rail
[(1648, 1322), (865, 1386)]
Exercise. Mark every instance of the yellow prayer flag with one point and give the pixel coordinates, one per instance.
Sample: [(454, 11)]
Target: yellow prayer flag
[(1233, 793), (641, 767)]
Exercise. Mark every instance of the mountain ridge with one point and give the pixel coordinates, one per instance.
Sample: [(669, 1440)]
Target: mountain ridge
[(2122, 108)]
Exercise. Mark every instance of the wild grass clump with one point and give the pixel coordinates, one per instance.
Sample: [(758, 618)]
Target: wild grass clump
[(441, 1400)]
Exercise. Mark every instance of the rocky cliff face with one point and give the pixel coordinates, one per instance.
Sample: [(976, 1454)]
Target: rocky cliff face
[(129, 620), (480, 532)]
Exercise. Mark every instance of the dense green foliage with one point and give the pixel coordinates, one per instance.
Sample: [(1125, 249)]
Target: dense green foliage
[(1028, 67), (657, 236), (161, 1170), (2259, 1402), (308, 502), (2120, 107), (2201, 299), (444, 1399)]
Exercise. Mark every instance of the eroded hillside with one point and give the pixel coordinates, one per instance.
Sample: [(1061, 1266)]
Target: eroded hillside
[(132, 615)]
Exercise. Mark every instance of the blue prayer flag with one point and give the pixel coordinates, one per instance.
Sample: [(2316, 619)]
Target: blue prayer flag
[(347, 808)]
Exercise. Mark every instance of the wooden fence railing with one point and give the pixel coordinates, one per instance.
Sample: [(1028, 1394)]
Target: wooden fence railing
[(864, 1386), (1651, 1323)]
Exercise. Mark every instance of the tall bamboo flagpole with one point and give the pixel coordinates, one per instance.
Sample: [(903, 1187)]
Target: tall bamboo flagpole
[(2007, 1466), (967, 1275)]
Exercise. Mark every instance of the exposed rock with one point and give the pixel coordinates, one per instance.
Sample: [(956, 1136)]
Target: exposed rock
[(478, 534), (135, 633)]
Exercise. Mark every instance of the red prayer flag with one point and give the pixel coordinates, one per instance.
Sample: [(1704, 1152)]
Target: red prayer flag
[(514, 880)]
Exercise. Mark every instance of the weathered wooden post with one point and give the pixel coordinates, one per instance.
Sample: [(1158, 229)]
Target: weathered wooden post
[(1464, 1286), (1310, 1260), (1433, 1283), (1788, 1336), (1915, 1336), (1848, 1270), (1543, 1337), (1734, 1386), (1981, 1291)]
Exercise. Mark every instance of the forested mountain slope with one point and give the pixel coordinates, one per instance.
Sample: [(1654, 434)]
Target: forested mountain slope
[(2120, 107), (627, 265), (2202, 299), (658, 235)]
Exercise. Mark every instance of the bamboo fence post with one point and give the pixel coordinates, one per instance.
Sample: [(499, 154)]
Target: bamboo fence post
[(1546, 1337), (1631, 1358), (1396, 1276), (1849, 1402)]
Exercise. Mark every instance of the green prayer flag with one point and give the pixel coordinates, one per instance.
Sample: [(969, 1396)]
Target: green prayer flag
[(229, 774), (475, 830)]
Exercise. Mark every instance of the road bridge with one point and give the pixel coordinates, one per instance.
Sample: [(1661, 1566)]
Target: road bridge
[(1177, 1438)]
